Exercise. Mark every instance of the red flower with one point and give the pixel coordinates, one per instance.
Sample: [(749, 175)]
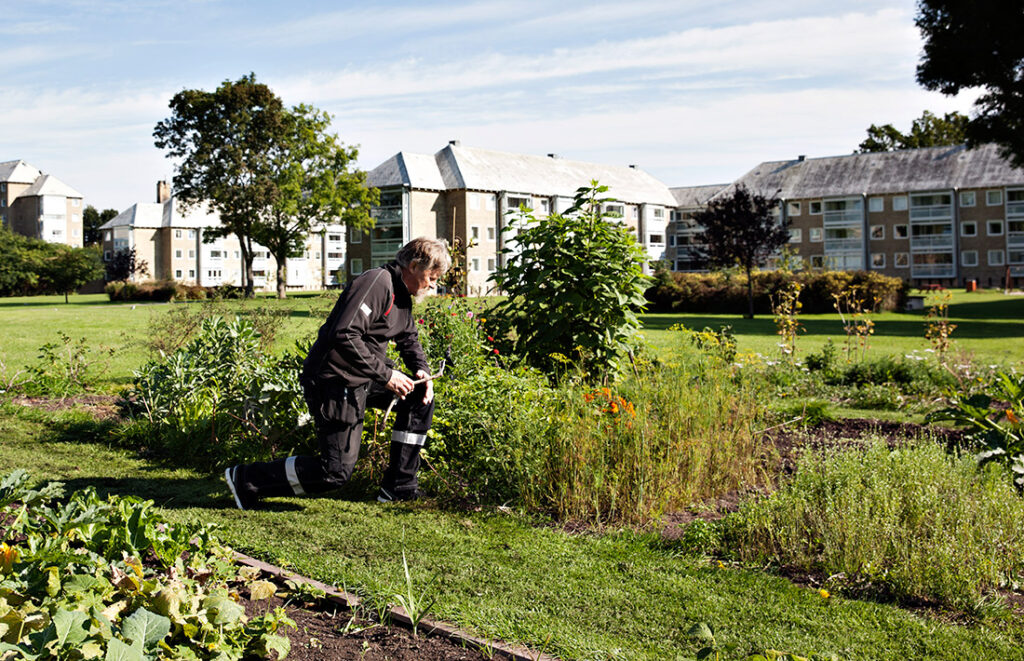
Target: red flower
[(490, 339), (495, 350), (422, 322)]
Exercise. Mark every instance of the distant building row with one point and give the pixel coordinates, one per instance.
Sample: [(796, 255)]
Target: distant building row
[(941, 215)]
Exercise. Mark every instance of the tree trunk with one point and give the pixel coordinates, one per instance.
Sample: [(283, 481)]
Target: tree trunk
[(248, 279), (282, 276), (750, 293)]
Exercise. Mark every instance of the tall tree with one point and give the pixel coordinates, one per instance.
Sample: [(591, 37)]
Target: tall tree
[(741, 229), (20, 262), (970, 44), (65, 269), (226, 141), (91, 221), (315, 185), (929, 130), (124, 264)]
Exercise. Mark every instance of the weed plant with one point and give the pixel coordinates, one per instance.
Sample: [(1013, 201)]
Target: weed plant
[(912, 523)]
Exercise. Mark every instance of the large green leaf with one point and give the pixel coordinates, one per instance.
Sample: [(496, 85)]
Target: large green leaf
[(118, 650), (146, 628)]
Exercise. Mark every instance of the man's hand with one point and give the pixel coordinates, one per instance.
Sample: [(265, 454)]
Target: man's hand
[(402, 385), (429, 396)]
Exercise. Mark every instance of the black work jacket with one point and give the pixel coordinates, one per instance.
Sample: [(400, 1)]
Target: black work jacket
[(351, 345)]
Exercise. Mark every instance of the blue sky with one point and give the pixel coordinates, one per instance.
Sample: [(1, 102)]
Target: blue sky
[(692, 91)]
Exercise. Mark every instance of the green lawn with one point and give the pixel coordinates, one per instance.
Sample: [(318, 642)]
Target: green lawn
[(990, 327), (618, 595)]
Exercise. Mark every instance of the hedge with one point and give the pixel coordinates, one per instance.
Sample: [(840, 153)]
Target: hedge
[(726, 293)]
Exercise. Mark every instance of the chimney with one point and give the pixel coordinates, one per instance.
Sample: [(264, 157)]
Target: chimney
[(632, 166), (801, 157), (455, 143), (552, 155), (163, 191)]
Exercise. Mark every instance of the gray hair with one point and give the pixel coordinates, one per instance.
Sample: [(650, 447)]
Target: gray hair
[(426, 254)]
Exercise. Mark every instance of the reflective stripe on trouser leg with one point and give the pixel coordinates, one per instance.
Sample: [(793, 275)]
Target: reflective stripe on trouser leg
[(293, 478), (408, 438)]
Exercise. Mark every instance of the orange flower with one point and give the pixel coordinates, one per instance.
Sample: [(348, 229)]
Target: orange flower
[(1011, 416), (607, 392), (588, 397), (614, 408), (8, 556)]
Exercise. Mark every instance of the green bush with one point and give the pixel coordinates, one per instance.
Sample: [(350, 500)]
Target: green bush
[(154, 291), (219, 399), (912, 523), (726, 293)]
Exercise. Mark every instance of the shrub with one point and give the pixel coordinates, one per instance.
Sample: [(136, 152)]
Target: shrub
[(716, 293), (574, 283), (911, 523), (220, 398), (155, 291)]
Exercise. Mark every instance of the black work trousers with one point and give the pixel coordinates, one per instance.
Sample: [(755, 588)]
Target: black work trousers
[(337, 412)]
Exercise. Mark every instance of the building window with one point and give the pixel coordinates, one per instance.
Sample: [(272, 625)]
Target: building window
[(356, 265), (900, 232), (878, 260), (177, 254), (993, 198), (968, 199), (796, 235), (317, 255), (106, 255), (177, 234), (814, 208), (356, 236), (671, 240), (817, 261), (476, 264), (192, 273), (614, 209), (876, 204), (793, 209), (489, 202), (75, 202), (3, 202), (899, 203), (474, 201), (335, 255), (659, 213), (656, 239), (76, 233), (191, 234), (901, 260), (968, 228), (994, 227), (490, 234), (191, 254), (474, 233), (815, 235), (877, 232), (334, 237), (216, 254), (177, 274), (238, 255), (969, 257), (995, 258), (490, 264)]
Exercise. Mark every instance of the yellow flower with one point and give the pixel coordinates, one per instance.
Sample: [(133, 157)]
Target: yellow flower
[(8, 556), (721, 565), (824, 593)]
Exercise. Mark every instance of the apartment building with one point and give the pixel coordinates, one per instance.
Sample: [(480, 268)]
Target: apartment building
[(39, 205), (684, 247), (170, 239), (939, 215), (474, 195)]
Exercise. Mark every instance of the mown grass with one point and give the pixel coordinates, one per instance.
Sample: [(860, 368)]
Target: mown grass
[(617, 595), (990, 326)]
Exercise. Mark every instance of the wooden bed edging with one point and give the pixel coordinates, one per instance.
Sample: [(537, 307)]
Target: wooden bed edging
[(398, 616)]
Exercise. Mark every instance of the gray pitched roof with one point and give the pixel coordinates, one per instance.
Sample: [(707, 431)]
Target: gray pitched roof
[(693, 197), (18, 172), (456, 167), (154, 215), (49, 185), (931, 168)]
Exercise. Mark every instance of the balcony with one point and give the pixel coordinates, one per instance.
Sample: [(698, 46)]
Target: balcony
[(1015, 208), (1015, 239), (932, 271), (931, 241), (386, 215), (850, 218), (844, 245), (931, 212)]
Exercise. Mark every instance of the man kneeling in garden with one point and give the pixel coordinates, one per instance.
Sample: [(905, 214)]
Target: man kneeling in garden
[(347, 370)]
